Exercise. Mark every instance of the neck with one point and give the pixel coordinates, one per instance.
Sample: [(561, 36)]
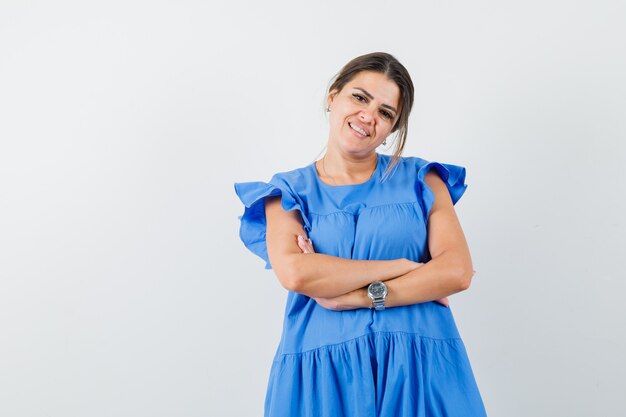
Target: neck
[(338, 169)]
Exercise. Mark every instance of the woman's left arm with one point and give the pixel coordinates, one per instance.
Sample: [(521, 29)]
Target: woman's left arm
[(450, 270)]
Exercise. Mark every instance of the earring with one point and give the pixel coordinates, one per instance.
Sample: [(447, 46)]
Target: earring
[(328, 109)]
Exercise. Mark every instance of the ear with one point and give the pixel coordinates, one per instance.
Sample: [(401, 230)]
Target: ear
[(331, 98)]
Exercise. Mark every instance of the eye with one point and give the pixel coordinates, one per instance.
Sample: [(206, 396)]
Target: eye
[(387, 115), (362, 99)]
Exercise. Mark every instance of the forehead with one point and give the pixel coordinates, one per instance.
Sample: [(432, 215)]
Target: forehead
[(378, 85)]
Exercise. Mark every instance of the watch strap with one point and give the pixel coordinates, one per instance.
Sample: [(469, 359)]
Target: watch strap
[(379, 303)]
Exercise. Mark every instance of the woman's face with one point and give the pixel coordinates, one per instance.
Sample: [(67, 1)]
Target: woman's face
[(363, 113)]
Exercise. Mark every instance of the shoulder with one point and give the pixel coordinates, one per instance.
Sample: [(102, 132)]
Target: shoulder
[(437, 176), (294, 180), (446, 171), (404, 167), (416, 162), (407, 168)]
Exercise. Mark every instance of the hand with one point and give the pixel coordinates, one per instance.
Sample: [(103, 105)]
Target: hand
[(443, 301), (305, 244)]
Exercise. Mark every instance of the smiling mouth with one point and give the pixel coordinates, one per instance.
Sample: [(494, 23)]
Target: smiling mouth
[(358, 130)]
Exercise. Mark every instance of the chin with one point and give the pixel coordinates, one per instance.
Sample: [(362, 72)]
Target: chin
[(356, 150)]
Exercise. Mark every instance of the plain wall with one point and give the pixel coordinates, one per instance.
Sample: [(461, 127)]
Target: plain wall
[(124, 287)]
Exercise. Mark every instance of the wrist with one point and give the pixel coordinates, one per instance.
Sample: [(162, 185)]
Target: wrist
[(377, 292)]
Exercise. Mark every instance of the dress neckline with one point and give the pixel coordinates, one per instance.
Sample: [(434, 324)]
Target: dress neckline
[(371, 179)]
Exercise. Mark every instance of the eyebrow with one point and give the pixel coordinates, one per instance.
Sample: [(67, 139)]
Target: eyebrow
[(371, 97)]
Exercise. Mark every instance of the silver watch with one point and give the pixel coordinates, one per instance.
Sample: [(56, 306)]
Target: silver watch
[(377, 291)]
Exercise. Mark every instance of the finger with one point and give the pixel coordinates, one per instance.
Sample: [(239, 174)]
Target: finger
[(302, 244), (443, 301), (306, 243)]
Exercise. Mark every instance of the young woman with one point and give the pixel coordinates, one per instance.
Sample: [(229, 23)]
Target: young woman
[(369, 247)]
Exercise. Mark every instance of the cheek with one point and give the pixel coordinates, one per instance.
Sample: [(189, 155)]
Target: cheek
[(385, 128), (335, 120), (338, 118)]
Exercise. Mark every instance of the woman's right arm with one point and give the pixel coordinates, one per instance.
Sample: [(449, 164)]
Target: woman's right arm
[(316, 274)]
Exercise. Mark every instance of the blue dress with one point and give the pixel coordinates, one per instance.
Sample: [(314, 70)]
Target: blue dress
[(401, 361)]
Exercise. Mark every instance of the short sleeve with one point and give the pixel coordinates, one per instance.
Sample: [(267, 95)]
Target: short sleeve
[(452, 175), (252, 229)]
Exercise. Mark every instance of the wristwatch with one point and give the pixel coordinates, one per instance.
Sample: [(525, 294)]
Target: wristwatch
[(377, 291)]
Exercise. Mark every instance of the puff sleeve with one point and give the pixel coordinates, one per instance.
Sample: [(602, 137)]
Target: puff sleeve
[(252, 229), (452, 175)]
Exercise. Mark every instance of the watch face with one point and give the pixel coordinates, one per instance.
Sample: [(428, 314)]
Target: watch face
[(378, 289)]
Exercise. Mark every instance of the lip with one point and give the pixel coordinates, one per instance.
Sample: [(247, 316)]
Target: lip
[(360, 126)]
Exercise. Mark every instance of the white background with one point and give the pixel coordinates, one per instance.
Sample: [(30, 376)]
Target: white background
[(125, 290)]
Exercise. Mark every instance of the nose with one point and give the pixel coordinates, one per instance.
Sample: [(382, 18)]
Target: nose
[(366, 116)]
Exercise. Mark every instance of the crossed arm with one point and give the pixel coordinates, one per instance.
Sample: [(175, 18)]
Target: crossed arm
[(340, 283)]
